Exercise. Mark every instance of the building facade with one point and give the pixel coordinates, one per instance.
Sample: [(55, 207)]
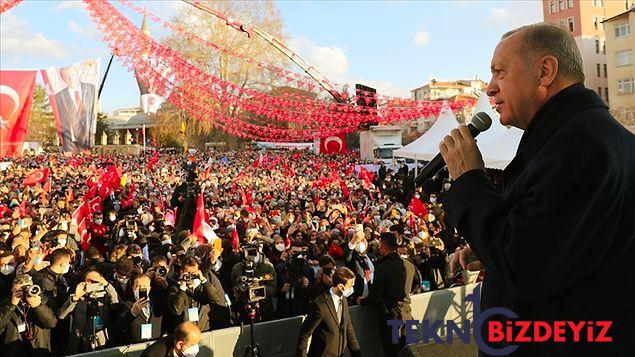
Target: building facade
[(584, 19), (620, 53)]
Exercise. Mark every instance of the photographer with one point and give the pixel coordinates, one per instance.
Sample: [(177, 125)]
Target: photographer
[(141, 317), (91, 307), (124, 268), (295, 276), (190, 298), (323, 277), (254, 266), (26, 320), (184, 199)]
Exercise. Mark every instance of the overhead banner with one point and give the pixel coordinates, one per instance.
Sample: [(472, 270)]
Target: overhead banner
[(335, 144), (16, 96), (72, 93)]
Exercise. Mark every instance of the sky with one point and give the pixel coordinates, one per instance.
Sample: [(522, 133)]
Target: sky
[(394, 46)]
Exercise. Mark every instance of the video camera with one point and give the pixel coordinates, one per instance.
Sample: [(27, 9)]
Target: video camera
[(249, 290), (31, 290), (95, 291)]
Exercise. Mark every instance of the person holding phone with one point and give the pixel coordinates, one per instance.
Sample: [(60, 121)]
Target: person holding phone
[(141, 317)]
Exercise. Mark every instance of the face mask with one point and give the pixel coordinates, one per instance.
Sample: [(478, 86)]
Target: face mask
[(191, 351), (61, 242), (196, 283), (151, 228), (431, 217), (280, 247), (139, 210), (377, 217), (67, 269), (64, 226), (135, 292), (348, 292), (37, 260), (416, 240), (323, 229), (360, 247), (446, 186), (122, 281), (405, 256), (7, 269), (257, 259), (433, 199), (112, 217), (167, 241), (98, 221)]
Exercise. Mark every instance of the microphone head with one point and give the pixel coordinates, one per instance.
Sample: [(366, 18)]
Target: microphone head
[(481, 121)]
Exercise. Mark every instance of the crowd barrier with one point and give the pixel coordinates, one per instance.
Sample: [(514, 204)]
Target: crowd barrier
[(278, 338)]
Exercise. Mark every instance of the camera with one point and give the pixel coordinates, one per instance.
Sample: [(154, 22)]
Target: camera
[(31, 290), (143, 293), (95, 291), (249, 290), (162, 271)]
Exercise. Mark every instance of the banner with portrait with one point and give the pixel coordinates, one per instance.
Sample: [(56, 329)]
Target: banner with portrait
[(72, 93)]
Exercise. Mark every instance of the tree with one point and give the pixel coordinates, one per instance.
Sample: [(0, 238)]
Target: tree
[(42, 127), (230, 68)]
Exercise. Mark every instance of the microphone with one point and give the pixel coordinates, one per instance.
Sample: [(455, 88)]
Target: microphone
[(480, 122)]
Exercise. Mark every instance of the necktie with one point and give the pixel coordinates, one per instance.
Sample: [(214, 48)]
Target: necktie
[(339, 312)]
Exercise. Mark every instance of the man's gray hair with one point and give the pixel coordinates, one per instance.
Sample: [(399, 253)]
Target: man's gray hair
[(543, 38)]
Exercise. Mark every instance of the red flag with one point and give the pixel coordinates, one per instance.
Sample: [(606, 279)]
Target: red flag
[(235, 241), (95, 205), (16, 96), (79, 218), (345, 191), (333, 144), (417, 207), (200, 219), (37, 176), (47, 186), (4, 210), (71, 195)]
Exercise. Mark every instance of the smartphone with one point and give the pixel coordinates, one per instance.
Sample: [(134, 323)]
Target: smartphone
[(143, 294)]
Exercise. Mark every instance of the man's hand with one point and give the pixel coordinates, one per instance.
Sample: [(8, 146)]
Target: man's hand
[(16, 296), (138, 306), (460, 152), (34, 301), (80, 290), (465, 258), (305, 282)]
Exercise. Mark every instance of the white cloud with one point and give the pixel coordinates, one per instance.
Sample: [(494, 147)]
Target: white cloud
[(18, 39), (84, 31), (71, 4), (498, 16), (329, 60), (515, 14), (422, 38)]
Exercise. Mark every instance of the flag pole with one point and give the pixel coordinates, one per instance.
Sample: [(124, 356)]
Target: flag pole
[(103, 80)]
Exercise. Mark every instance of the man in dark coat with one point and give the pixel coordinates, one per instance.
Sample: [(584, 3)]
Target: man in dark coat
[(329, 324), (558, 239), (183, 342)]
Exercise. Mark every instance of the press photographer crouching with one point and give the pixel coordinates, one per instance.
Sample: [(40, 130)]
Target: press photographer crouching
[(189, 299), (295, 277), (250, 275), (26, 320), (92, 307)]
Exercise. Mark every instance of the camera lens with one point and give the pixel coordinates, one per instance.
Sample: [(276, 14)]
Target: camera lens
[(33, 290), (162, 271)]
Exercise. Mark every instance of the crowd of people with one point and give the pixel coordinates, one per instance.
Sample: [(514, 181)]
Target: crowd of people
[(136, 263)]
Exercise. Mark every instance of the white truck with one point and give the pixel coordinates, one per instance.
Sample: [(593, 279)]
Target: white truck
[(379, 142)]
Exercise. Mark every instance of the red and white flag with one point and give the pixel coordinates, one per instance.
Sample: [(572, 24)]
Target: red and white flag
[(202, 230), (80, 220), (37, 176), (16, 96), (333, 144)]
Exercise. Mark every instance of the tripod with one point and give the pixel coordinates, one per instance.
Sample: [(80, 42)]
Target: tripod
[(252, 350)]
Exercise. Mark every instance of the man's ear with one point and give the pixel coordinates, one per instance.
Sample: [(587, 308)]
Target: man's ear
[(548, 71)]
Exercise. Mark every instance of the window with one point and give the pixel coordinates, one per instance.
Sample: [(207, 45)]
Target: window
[(597, 46), (597, 66), (595, 22), (570, 4), (604, 47), (625, 86), (622, 30), (601, 23), (570, 23), (623, 58), (560, 5), (606, 93), (598, 3), (600, 91), (605, 70), (552, 6)]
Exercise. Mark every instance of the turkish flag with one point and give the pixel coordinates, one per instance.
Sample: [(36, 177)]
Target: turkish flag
[(37, 176), (417, 207), (16, 96), (202, 230), (333, 144), (80, 219), (94, 205)]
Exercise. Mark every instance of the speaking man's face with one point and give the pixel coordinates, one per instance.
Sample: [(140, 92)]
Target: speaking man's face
[(70, 76)]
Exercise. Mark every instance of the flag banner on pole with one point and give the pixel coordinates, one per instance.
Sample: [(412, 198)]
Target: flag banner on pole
[(16, 96), (72, 93)]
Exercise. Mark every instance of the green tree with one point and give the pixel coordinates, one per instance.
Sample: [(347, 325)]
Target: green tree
[(42, 127)]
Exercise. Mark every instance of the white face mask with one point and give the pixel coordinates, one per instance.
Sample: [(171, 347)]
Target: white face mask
[(112, 217), (423, 235), (139, 210), (67, 269), (191, 351), (405, 256), (167, 241), (416, 240), (135, 292), (98, 221), (257, 259), (7, 269), (360, 247), (280, 247), (64, 226), (151, 228), (61, 242), (348, 292), (38, 260), (196, 283), (433, 199)]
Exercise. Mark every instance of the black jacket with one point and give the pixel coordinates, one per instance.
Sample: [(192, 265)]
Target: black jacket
[(40, 320), (391, 287), (162, 347), (558, 242), (328, 337), (129, 326), (211, 292), (54, 287)]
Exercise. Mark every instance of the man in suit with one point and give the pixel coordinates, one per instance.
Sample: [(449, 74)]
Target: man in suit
[(182, 343), (328, 322), (75, 106), (558, 241), (390, 291), (141, 316)]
